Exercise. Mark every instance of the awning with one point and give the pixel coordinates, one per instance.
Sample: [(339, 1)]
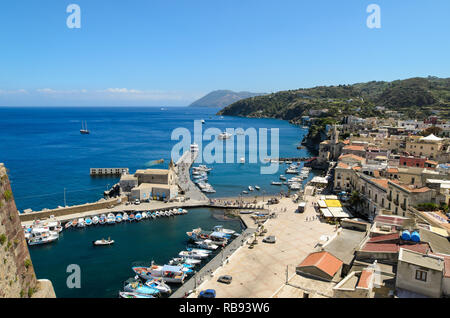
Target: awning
[(339, 212), (326, 213), (322, 204)]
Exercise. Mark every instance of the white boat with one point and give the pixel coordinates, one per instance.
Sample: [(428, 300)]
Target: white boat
[(276, 183), (95, 220), (88, 221), (250, 188), (103, 242), (144, 215), (225, 135), (125, 216), (42, 235), (111, 218), (159, 284), (295, 186), (219, 228), (257, 187), (200, 250), (187, 254), (245, 192), (68, 224), (81, 222), (168, 273), (154, 215), (207, 244), (84, 130), (282, 177), (189, 261), (123, 294), (102, 219), (119, 218), (138, 216), (242, 160)]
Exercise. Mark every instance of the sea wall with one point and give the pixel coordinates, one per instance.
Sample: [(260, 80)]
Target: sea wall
[(17, 276), (72, 209)]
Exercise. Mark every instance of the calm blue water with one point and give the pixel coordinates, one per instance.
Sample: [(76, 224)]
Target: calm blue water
[(45, 153)]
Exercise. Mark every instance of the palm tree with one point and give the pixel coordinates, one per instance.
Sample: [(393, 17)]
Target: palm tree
[(355, 200)]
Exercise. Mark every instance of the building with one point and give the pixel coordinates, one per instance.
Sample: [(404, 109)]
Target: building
[(420, 273), (321, 265), (358, 284), (429, 146)]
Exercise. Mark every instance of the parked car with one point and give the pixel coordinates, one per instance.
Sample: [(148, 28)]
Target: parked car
[(226, 279), (269, 239), (208, 293), (137, 202)]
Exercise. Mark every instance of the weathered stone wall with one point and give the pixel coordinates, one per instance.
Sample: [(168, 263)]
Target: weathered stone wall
[(17, 277)]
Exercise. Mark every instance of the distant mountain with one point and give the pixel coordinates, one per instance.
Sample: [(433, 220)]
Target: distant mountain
[(222, 98), (414, 97)]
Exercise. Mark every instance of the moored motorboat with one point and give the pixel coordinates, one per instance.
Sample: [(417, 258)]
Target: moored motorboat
[(168, 273), (159, 284), (219, 228), (68, 225), (125, 216), (81, 222), (144, 215), (194, 255), (42, 235), (138, 216), (138, 287), (133, 295), (102, 219), (95, 220), (257, 187), (119, 218), (111, 218), (207, 244), (131, 217), (88, 221)]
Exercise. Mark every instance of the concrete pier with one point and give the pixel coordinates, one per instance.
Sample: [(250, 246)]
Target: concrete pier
[(184, 179)]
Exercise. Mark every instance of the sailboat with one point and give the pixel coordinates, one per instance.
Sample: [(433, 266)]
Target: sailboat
[(84, 130)]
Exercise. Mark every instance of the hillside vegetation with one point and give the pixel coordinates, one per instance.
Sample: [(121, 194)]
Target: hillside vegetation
[(414, 98)]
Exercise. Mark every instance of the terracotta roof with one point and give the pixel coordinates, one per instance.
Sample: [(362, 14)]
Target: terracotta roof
[(356, 168), (432, 162), (364, 280), (381, 182), (394, 248), (354, 147), (325, 261), (346, 141), (343, 165), (350, 155), (392, 170), (383, 238), (409, 188), (376, 173), (446, 263)]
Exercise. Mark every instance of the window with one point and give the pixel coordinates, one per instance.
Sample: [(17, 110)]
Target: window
[(421, 275)]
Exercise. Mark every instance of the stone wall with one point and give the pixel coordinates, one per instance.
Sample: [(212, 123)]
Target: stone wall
[(71, 210), (17, 277)]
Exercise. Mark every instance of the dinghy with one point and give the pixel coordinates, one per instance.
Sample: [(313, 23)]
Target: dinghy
[(103, 242)]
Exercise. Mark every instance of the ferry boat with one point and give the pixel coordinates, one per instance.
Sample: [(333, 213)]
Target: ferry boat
[(84, 130), (168, 273), (42, 235)]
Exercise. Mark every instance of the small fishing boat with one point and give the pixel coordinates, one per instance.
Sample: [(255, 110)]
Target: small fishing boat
[(133, 295), (81, 222), (42, 235), (194, 255), (245, 192), (103, 242), (154, 215), (68, 224), (74, 223), (199, 250), (219, 228), (125, 217), (95, 220), (102, 219), (88, 221), (168, 273), (257, 187), (159, 285), (138, 216), (131, 217), (276, 183), (111, 219), (144, 215), (207, 244), (181, 260), (250, 188), (119, 218), (282, 177), (138, 287)]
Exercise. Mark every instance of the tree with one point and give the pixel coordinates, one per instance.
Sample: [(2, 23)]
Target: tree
[(432, 130)]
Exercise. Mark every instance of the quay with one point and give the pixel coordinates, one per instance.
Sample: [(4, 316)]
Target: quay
[(183, 165), (219, 260)]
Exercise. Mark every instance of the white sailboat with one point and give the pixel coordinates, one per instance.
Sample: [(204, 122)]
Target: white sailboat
[(84, 130)]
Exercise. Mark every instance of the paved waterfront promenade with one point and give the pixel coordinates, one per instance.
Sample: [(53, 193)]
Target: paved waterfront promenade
[(261, 271), (212, 265), (184, 179)]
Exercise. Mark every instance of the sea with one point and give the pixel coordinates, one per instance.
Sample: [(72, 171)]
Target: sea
[(49, 161)]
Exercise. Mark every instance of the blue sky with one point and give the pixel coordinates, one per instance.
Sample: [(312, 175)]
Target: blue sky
[(170, 52)]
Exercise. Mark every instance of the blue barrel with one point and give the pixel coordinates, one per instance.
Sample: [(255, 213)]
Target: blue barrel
[(415, 236), (406, 236)]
